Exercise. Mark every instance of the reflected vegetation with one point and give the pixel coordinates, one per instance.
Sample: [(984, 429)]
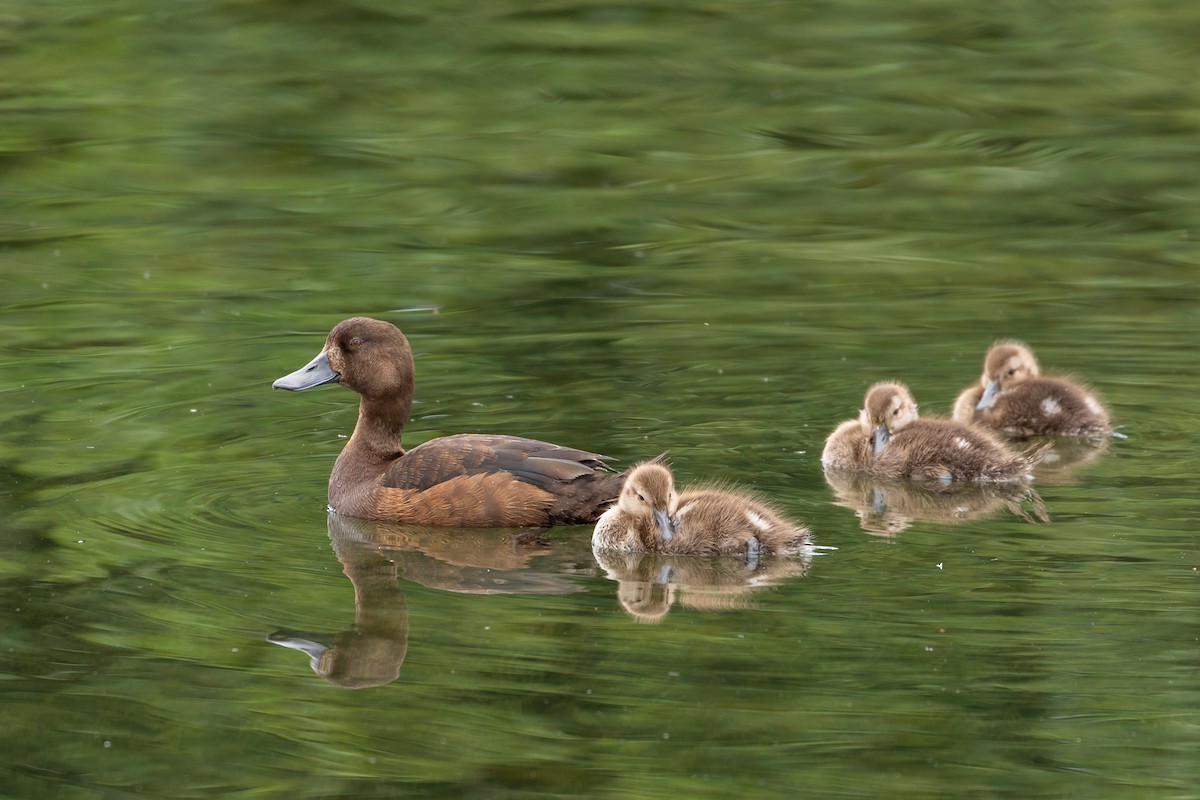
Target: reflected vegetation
[(631, 227), (885, 507), (649, 584)]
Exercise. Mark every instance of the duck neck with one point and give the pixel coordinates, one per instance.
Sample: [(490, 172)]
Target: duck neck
[(374, 444), (376, 437)]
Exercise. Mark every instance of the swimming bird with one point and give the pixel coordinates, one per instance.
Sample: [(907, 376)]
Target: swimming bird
[(652, 516), (1013, 396), (889, 439), (465, 480)]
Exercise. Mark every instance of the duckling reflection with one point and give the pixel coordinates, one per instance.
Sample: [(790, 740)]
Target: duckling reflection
[(1066, 457), (1013, 396), (375, 555), (890, 440), (886, 507), (649, 584)]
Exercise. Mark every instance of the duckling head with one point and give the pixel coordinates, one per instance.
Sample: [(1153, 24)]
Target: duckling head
[(888, 407), (649, 493), (1007, 364)]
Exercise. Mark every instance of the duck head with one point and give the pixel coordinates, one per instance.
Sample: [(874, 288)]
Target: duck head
[(370, 356), (887, 408), (1006, 364), (649, 494)]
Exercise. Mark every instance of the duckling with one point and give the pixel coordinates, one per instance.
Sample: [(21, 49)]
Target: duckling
[(1013, 396), (651, 516), (890, 440)]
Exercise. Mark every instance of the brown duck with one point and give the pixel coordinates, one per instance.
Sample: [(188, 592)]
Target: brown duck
[(651, 516), (1013, 396), (890, 440), (466, 480)]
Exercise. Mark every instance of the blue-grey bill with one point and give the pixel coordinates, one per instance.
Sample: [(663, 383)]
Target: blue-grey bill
[(315, 373), (310, 647), (989, 396), (880, 438), (664, 524)]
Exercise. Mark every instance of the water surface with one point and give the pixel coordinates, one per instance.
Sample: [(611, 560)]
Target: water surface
[(629, 228)]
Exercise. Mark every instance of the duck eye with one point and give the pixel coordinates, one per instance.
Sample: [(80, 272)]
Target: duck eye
[(641, 498), (356, 341)]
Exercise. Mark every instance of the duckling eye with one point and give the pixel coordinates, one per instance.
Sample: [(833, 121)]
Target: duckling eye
[(1012, 371), (356, 341), (643, 499)]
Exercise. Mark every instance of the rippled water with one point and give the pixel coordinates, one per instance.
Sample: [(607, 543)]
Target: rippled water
[(627, 228)]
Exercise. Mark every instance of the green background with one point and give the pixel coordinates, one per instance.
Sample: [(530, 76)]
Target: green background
[(702, 227)]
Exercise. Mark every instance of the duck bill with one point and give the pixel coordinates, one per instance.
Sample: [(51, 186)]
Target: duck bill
[(880, 438), (315, 373), (312, 648), (989, 396), (664, 524)]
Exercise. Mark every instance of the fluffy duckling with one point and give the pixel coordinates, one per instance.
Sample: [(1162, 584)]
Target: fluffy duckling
[(890, 440), (1013, 396), (651, 516)]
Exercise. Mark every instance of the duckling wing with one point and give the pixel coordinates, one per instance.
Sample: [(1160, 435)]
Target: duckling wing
[(530, 461), (1051, 406)]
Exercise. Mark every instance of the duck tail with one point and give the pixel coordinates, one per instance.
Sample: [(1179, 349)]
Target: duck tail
[(582, 501)]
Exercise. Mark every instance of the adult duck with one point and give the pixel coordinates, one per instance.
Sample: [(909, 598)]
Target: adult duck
[(651, 516), (889, 439), (465, 480), (1013, 396)]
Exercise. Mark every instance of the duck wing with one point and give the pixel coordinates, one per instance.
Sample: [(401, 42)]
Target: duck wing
[(530, 461), (474, 480)]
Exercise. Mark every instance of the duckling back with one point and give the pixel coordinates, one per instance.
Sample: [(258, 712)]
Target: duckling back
[(943, 450), (1044, 407), (719, 522)]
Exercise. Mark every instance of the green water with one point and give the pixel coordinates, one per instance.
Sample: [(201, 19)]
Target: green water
[(631, 228)]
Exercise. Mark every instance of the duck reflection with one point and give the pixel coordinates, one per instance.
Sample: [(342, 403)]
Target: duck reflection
[(887, 507), (375, 555), (649, 584)]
